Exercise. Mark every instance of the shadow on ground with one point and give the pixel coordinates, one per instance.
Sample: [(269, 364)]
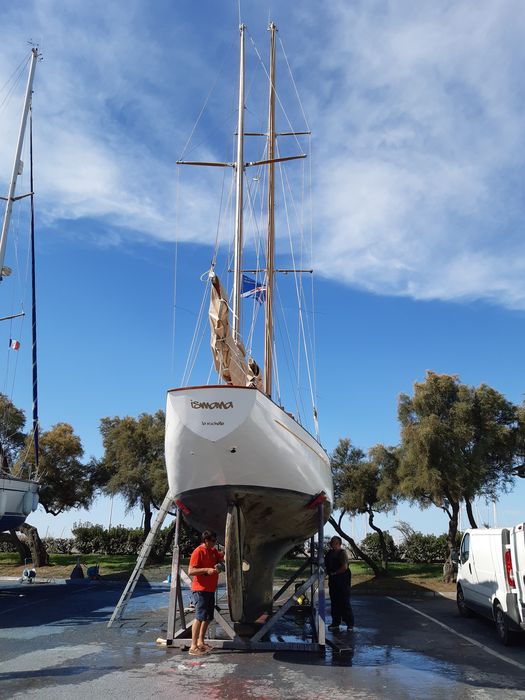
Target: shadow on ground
[(80, 602)]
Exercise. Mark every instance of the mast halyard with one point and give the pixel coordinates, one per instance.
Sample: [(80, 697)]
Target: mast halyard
[(17, 162), (268, 326), (238, 242)]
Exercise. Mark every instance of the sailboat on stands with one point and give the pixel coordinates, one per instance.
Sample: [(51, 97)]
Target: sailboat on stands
[(238, 462), (19, 495)]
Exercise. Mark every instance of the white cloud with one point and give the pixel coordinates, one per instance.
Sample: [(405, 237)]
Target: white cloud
[(417, 113), (422, 140)]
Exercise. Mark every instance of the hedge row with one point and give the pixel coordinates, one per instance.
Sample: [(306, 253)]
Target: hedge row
[(95, 539), (416, 548)]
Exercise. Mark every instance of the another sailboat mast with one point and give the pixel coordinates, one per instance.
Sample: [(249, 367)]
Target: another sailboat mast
[(268, 330), (237, 260), (33, 299), (17, 162)]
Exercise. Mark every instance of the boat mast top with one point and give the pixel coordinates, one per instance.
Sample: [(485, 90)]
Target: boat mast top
[(35, 55), (238, 241), (268, 328)]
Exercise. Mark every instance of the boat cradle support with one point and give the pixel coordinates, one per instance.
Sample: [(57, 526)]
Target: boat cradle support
[(179, 627)]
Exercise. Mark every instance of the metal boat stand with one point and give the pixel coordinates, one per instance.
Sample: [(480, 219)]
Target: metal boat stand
[(179, 627)]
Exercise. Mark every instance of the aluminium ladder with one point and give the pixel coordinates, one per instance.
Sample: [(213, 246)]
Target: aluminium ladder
[(142, 559)]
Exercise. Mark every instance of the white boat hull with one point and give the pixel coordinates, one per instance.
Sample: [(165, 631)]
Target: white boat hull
[(233, 448), (18, 498)]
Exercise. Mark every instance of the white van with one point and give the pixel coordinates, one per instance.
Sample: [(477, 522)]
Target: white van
[(491, 577)]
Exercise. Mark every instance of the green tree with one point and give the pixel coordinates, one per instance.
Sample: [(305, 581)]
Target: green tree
[(133, 461), (12, 436), (65, 481), (519, 463), (374, 548), (366, 485), (458, 443)]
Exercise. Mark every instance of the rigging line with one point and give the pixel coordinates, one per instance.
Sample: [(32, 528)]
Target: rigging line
[(212, 133), (203, 108), (175, 269), (276, 374), (301, 295), (22, 457), (307, 360), (288, 358), (311, 218), (196, 341), (219, 221), (212, 367), (10, 391), (195, 346), (19, 68), (289, 362), (195, 332), (281, 105), (301, 266), (33, 296), (294, 85), (21, 277), (16, 80), (257, 246), (197, 350)]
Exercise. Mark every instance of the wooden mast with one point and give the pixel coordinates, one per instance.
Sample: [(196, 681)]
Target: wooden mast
[(238, 242), (268, 331)]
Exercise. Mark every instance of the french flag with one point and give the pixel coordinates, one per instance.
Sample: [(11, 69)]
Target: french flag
[(14, 344)]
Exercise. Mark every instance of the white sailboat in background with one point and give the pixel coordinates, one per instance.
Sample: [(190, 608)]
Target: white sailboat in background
[(237, 462), (19, 496)]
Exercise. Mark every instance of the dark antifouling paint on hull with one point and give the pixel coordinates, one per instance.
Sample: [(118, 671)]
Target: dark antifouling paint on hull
[(234, 549), (266, 524)]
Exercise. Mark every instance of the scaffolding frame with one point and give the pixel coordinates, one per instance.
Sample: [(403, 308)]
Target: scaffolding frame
[(179, 635)]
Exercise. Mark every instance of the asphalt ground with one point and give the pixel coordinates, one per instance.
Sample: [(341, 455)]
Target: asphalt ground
[(54, 643)]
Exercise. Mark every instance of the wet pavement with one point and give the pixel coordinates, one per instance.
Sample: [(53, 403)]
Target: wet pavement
[(54, 643)]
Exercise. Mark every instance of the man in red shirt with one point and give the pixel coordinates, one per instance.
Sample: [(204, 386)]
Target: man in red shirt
[(205, 564)]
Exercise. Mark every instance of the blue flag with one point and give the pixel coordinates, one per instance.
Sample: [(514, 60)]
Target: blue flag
[(250, 288)]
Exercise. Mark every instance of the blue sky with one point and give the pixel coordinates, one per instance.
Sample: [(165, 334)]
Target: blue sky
[(417, 194)]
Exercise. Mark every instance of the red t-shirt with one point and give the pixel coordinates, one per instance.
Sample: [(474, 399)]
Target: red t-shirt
[(204, 558)]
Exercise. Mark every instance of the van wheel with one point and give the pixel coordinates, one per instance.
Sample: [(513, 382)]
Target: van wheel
[(462, 607), (502, 625)]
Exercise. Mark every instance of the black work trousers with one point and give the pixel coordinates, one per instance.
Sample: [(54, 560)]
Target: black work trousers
[(339, 589)]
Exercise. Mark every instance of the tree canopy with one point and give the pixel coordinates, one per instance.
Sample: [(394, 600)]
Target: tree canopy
[(365, 484), (65, 481), (457, 443), (133, 461), (12, 436)]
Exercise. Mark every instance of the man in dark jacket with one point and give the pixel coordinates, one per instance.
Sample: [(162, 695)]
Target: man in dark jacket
[(339, 582)]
